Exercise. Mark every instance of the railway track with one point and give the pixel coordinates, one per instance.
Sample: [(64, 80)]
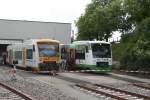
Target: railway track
[(144, 86), (112, 92), (9, 93), (134, 91), (109, 91)]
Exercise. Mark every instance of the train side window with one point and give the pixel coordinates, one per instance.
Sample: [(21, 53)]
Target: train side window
[(80, 54), (16, 54), (33, 48), (29, 53), (11, 54), (19, 55)]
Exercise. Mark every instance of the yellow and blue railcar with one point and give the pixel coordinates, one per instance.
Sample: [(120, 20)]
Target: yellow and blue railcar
[(35, 54)]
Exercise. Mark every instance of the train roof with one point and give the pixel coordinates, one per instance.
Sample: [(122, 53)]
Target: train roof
[(74, 44), (46, 40), (31, 41), (90, 42)]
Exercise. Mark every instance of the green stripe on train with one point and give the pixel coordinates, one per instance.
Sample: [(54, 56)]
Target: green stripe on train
[(93, 67)]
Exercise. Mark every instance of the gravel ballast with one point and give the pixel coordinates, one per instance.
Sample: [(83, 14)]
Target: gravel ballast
[(34, 88)]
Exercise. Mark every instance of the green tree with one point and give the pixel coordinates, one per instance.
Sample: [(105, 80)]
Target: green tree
[(137, 55), (85, 28), (101, 18), (137, 10)]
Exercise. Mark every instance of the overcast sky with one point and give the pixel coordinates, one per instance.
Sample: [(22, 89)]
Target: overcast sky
[(66, 11)]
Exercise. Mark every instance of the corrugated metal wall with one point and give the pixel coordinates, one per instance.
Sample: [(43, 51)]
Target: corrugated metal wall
[(15, 29)]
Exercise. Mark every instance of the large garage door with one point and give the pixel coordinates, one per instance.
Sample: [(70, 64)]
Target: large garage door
[(3, 48), (3, 45)]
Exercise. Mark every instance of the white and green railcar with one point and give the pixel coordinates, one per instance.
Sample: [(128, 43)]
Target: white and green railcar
[(92, 54)]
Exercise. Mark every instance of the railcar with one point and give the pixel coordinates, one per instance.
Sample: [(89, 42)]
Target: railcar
[(67, 57), (35, 54), (64, 54), (94, 55)]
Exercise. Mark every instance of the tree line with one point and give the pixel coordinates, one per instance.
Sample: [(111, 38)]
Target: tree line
[(129, 17)]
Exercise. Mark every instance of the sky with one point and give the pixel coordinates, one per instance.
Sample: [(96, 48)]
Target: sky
[(65, 11)]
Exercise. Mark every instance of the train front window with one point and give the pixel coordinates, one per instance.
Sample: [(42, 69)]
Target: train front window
[(48, 49), (101, 50)]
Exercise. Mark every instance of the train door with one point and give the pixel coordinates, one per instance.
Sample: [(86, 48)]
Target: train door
[(64, 63), (3, 54), (72, 59), (63, 57), (80, 54), (10, 57), (23, 57), (29, 55), (88, 55)]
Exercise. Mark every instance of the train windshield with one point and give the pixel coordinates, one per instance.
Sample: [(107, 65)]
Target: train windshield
[(48, 49), (101, 50)]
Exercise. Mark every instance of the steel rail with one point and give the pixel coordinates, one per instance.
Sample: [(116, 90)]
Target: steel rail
[(141, 86), (19, 93), (126, 92), (100, 92)]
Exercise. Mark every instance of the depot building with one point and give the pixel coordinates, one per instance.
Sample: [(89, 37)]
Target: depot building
[(16, 31)]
